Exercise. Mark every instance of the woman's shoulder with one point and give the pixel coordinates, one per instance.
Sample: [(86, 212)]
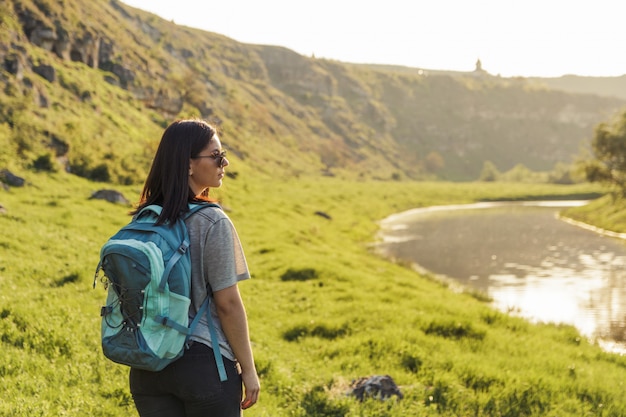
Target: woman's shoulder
[(211, 213)]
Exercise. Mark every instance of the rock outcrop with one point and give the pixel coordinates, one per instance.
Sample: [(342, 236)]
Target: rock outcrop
[(378, 386), (112, 196), (10, 179)]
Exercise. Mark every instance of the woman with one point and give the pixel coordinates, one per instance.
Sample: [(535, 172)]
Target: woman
[(188, 162)]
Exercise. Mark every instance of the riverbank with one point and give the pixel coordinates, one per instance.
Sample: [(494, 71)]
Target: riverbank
[(606, 215), (323, 309), (523, 257)]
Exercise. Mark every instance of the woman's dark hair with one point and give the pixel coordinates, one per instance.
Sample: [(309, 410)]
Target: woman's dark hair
[(167, 183)]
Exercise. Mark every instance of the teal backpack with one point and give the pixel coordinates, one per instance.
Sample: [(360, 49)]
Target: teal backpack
[(147, 273)]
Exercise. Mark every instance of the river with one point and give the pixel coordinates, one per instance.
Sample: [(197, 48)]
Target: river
[(525, 258)]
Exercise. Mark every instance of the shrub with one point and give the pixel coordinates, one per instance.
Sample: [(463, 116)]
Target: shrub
[(411, 362), (303, 274), (321, 330), (317, 403), (44, 163), (454, 330), (68, 279)]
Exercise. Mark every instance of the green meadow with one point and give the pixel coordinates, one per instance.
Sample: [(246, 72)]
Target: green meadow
[(324, 309)]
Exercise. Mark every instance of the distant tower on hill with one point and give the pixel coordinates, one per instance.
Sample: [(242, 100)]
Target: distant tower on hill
[(479, 66), (479, 71)]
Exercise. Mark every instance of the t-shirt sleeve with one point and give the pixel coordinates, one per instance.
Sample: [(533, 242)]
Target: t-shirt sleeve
[(224, 260)]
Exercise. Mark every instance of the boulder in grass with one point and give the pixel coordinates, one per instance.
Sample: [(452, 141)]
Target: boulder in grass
[(111, 196), (380, 387), (8, 178)]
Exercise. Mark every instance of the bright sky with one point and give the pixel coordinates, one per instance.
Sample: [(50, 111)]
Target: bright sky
[(547, 38)]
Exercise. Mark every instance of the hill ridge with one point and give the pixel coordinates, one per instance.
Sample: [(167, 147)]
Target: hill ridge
[(110, 76)]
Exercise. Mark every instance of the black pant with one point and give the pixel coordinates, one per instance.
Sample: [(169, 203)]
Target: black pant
[(189, 387)]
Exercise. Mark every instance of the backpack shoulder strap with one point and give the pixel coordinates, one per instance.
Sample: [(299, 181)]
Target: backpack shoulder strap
[(154, 208), (215, 346)]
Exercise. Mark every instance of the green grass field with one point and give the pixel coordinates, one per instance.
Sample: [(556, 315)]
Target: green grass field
[(323, 309)]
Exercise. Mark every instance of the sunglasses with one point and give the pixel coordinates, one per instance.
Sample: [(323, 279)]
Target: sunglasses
[(219, 158)]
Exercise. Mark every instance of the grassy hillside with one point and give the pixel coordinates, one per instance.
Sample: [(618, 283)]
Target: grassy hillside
[(87, 87), (324, 310)]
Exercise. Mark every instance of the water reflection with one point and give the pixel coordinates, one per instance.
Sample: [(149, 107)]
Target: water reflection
[(525, 258)]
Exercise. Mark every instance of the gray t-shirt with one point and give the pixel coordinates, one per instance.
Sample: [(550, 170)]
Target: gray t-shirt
[(217, 262)]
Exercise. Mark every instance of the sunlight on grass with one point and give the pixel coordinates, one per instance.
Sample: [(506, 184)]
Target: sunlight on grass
[(323, 309)]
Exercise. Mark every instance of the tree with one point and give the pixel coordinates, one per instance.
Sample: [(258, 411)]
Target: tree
[(609, 150), (489, 172), (520, 173), (561, 174)]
